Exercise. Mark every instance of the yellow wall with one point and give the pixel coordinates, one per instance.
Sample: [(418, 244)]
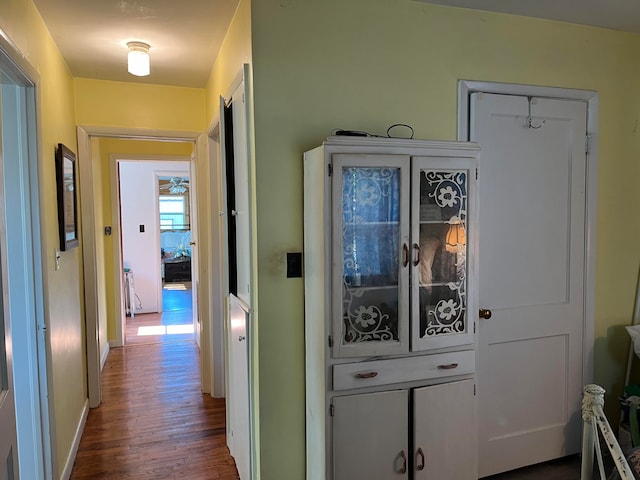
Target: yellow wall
[(104, 103), (121, 148), (366, 64), (135, 105), (63, 304), (235, 51)]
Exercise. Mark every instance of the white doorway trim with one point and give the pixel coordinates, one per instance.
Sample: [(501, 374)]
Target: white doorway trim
[(31, 346), (218, 273), (116, 208), (591, 98), (85, 134)]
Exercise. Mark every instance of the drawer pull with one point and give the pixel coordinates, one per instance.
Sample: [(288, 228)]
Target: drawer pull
[(366, 375), (449, 366)]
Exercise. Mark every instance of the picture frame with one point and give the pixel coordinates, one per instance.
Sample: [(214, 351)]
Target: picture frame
[(67, 198)]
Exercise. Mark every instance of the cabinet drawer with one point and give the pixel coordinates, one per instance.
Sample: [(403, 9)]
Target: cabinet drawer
[(397, 370)]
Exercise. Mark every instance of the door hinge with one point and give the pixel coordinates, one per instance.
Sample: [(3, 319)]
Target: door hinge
[(587, 143), (476, 173), (474, 327), (330, 169), (330, 341), (331, 410), (474, 389)]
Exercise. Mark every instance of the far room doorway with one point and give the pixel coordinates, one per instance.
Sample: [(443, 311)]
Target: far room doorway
[(156, 225)]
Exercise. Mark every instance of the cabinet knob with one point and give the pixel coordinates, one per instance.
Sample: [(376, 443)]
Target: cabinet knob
[(366, 375), (403, 464), (485, 313), (419, 460), (416, 250), (405, 255)]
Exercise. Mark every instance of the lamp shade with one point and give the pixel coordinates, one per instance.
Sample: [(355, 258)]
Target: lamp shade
[(456, 236), (138, 59)]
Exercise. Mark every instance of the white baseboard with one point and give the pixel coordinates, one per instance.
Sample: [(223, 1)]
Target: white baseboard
[(104, 356), (115, 343), (71, 458)]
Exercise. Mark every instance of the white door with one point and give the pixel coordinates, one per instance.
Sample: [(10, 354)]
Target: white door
[(370, 436), (531, 277), (238, 403), (444, 431), (23, 365)]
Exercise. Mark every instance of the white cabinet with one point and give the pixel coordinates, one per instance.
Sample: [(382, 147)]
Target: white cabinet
[(390, 295), (369, 439), (400, 224), (375, 437), (444, 436)]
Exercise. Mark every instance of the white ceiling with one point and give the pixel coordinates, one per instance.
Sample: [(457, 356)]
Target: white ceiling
[(615, 14), (185, 35)]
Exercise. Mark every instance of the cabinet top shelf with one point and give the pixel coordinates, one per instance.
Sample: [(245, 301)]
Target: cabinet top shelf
[(411, 145)]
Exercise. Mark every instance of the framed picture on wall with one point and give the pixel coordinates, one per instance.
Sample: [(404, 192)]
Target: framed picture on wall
[(67, 198)]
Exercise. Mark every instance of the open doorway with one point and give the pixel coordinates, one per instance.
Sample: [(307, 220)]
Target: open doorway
[(156, 225), (99, 151)]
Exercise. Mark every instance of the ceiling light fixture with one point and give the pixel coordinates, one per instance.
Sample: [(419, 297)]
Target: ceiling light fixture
[(138, 59)]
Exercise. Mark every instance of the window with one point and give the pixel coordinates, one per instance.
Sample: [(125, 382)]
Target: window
[(173, 212)]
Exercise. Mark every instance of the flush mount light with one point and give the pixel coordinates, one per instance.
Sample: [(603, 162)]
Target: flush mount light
[(138, 58)]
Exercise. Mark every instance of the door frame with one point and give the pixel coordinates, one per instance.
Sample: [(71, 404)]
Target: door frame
[(213, 142), (116, 217), (85, 134), (592, 100), (37, 446)]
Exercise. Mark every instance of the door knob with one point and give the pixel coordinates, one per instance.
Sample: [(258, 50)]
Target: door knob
[(485, 313)]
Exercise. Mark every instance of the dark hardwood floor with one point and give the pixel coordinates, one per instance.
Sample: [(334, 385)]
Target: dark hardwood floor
[(154, 423)]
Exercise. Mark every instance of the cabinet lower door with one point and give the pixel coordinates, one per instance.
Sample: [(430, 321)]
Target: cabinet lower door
[(445, 439), (370, 436)]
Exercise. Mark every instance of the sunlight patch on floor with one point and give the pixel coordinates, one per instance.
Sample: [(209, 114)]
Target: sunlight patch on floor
[(175, 286), (165, 329)]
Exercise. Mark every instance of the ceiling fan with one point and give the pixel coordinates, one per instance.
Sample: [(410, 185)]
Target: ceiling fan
[(176, 185)]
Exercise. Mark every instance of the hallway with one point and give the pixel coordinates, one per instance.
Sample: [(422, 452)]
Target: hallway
[(154, 423)]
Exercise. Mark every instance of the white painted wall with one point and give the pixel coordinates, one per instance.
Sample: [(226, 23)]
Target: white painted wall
[(139, 206)]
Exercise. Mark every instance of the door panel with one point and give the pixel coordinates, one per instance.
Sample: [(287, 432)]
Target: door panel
[(370, 231), (238, 403), (531, 267), (444, 432), (443, 230), (370, 436)]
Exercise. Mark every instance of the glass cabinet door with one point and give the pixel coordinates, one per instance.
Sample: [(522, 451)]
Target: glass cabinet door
[(441, 232), (370, 254)]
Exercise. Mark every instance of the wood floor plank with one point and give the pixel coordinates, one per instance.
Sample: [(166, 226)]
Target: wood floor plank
[(154, 423)]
